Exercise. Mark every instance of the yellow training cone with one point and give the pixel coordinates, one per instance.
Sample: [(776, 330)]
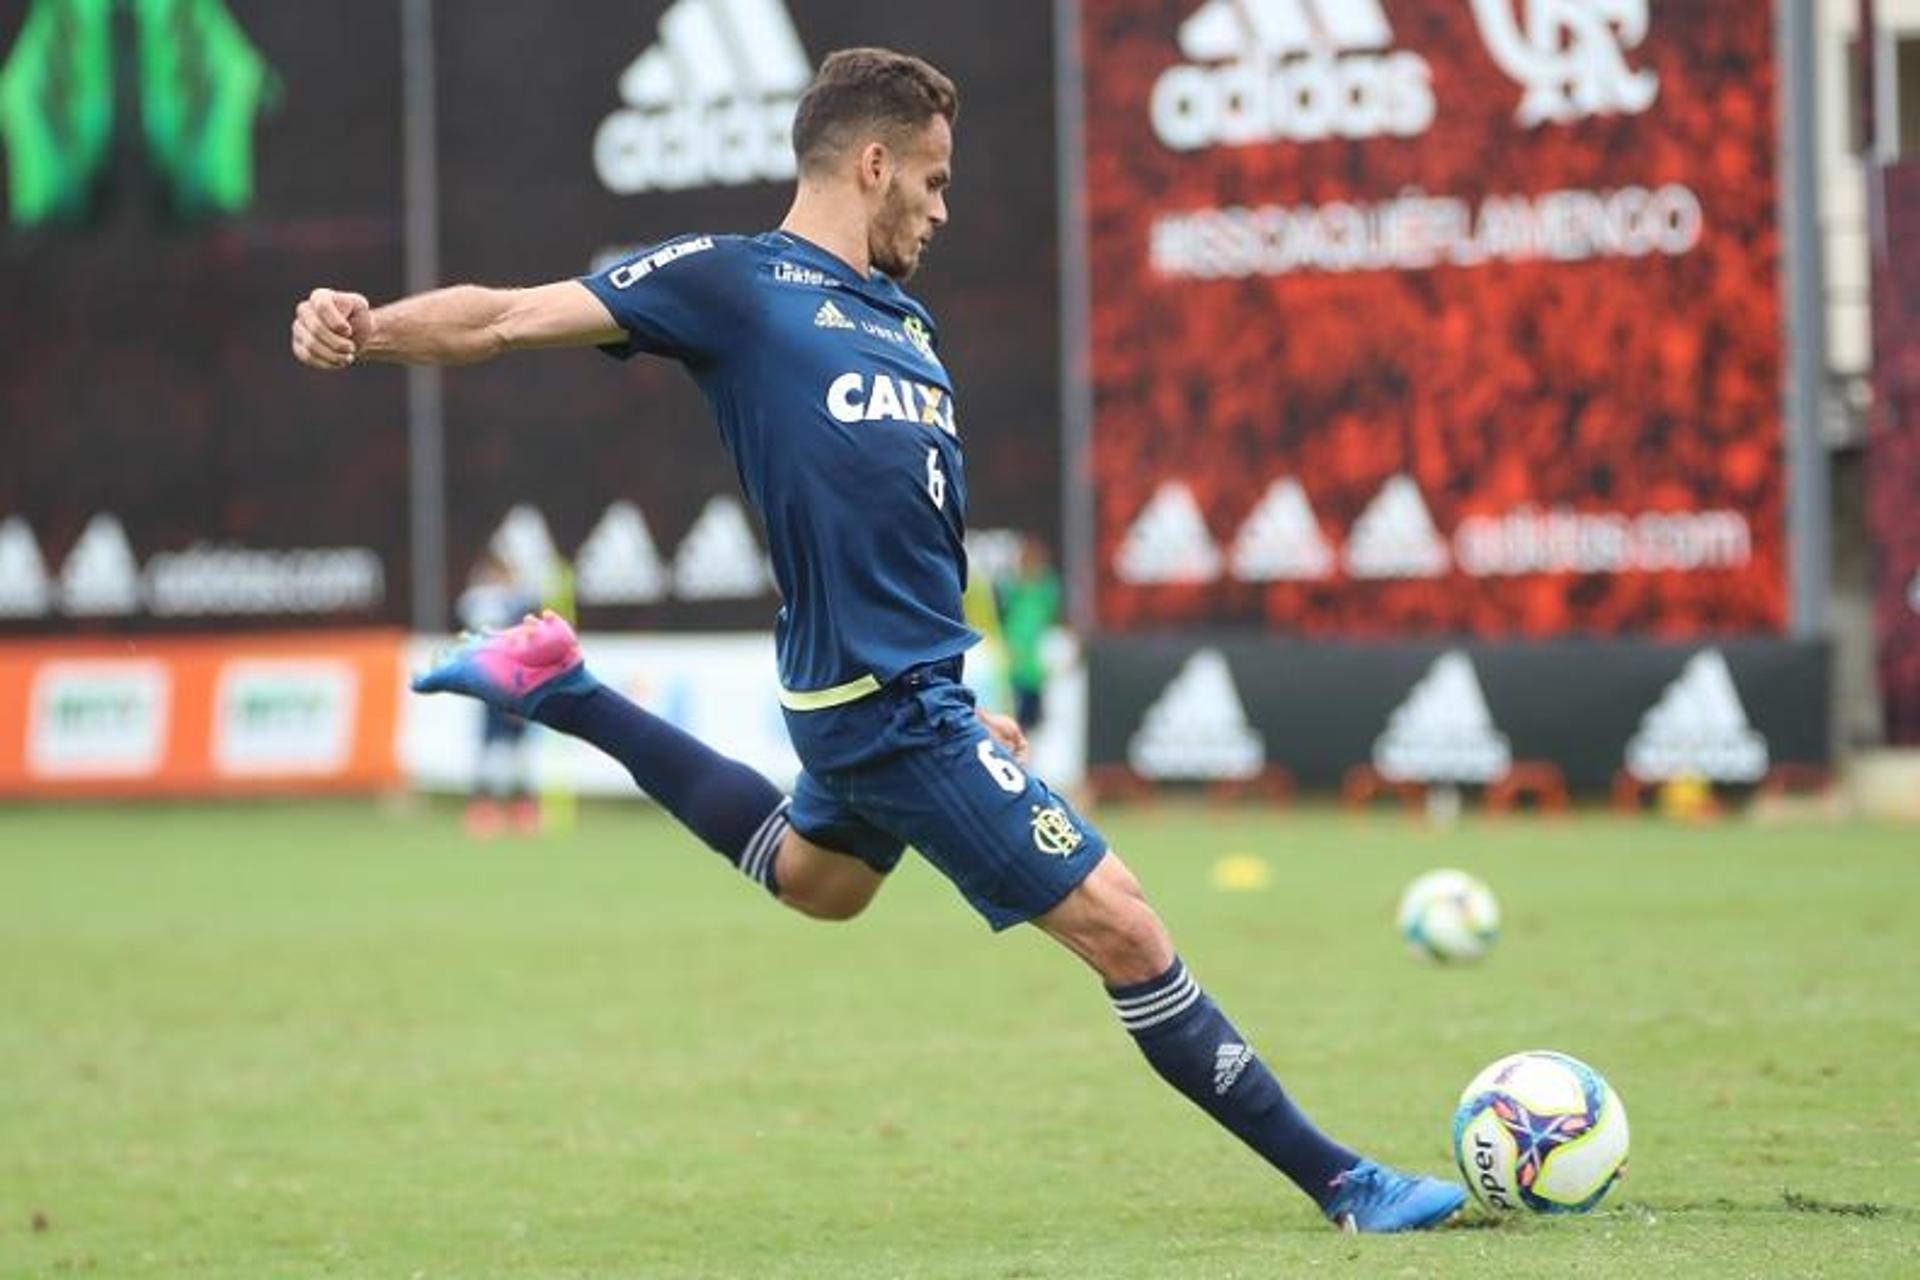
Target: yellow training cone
[(1239, 872)]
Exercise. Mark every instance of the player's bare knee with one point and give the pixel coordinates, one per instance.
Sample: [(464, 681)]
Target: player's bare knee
[(1108, 922), (821, 884), (826, 906), (1134, 947)]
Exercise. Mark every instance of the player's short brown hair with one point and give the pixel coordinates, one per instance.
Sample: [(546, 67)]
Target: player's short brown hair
[(861, 93)]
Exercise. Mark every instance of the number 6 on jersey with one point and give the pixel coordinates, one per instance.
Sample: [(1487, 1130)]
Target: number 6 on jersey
[(936, 478)]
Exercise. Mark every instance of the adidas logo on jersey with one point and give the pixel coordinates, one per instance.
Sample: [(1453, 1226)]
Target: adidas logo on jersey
[(854, 397), (830, 317), (1443, 732), (1197, 728), (1698, 727), (1263, 71), (710, 105)]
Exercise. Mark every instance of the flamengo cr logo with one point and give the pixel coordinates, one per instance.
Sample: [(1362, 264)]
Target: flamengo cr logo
[(710, 105), (1289, 70), (1571, 58)]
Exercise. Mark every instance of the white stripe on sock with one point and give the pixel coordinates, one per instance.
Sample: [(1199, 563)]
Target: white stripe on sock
[(1173, 980), (756, 863), (1142, 1024), (1159, 1000)]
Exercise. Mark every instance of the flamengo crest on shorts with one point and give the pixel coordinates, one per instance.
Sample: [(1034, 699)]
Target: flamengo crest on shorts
[(1054, 833)]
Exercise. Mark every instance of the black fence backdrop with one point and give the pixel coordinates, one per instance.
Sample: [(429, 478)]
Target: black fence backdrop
[(1320, 708), (144, 371), (144, 366), (523, 90)]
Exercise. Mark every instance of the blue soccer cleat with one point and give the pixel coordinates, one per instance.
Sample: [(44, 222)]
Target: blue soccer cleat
[(513, 670), (1372, 1199)]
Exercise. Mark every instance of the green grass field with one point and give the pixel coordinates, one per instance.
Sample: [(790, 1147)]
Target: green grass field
[(321, 1040)]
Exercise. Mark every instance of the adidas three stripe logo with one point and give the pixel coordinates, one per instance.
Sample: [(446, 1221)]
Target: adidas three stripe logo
[(710, 104), (1263, 71)]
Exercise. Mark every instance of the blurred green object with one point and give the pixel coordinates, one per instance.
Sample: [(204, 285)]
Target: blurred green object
[(202, 83), (56, 109), (201, 87)]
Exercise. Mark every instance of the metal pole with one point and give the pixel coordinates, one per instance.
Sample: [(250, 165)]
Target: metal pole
[(426, 434), (1079, 546), (1809, 534)]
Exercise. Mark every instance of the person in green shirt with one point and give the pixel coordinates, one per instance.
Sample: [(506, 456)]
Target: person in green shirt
[(1029, 608)]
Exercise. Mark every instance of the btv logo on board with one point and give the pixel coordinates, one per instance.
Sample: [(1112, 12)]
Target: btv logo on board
[(98, 719), (1289, 70), (710, 105), (284, 717)]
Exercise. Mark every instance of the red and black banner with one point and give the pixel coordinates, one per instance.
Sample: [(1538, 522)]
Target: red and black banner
[(1425, 316), (1893, 452)]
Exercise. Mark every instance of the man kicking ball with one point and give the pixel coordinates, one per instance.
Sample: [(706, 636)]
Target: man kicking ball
[(826, 383)]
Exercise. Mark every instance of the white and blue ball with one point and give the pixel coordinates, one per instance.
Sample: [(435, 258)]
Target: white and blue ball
[(1449, 916), (1540, 1132)]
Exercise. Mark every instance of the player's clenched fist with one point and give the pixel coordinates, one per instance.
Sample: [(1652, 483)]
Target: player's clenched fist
[(330, 328)]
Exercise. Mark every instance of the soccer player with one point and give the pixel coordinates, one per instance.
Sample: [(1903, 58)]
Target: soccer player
[(826, 382)]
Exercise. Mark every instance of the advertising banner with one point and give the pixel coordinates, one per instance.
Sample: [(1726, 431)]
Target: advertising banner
[(574, 133), (177, 174), (1226, 705), (722, 688), (1435, 316), (1893, 453), (177, 715)]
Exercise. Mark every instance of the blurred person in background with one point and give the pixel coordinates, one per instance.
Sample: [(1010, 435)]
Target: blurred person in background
[(1029, 610), (825, 380), (502, 799)]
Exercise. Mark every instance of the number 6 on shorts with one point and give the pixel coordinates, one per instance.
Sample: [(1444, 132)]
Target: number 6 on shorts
[(1005, 773)]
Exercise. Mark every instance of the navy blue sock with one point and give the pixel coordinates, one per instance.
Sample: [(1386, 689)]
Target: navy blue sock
[(1197, 1051), (738, 813)]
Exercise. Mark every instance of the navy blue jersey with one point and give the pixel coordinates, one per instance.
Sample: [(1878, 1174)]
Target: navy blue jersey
[(841, 424)]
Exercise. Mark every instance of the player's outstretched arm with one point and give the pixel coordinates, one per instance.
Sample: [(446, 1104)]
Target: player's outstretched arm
[(465, 324)]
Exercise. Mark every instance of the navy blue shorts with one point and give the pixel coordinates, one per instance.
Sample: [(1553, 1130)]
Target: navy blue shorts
[(912, 765)]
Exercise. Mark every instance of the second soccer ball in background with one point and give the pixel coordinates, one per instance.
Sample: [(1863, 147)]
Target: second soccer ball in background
[(1448, 915)]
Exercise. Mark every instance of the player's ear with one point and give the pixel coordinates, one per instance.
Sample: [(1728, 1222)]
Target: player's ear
[(875, 161)]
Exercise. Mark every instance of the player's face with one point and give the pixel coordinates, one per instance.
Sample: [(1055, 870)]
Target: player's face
[(914, 204)]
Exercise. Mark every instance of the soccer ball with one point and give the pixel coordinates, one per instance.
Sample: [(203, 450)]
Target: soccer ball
[(1449, 915), (1540, 1131)]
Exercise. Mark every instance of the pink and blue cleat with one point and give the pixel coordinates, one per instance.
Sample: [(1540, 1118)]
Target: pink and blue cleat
[(516, 669), (1371, 1198)]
